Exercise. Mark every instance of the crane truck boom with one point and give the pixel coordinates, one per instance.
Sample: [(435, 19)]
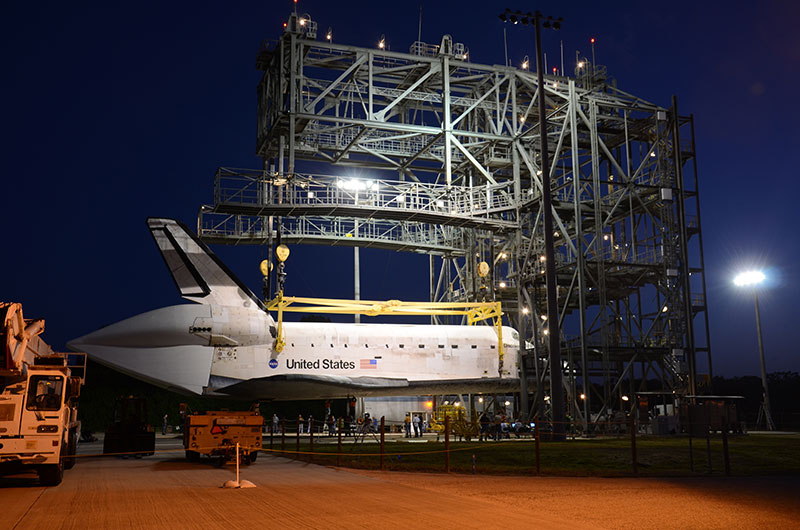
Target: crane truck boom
[(39, 389)]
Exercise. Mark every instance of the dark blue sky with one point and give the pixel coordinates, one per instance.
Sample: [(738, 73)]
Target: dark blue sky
[(115, 112)]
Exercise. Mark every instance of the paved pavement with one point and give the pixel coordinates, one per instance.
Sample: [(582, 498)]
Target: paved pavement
[(165, 490)]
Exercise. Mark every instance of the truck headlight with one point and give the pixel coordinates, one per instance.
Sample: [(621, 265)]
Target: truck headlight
[(47, 428)]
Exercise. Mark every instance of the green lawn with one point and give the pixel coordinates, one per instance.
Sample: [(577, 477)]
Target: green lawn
[(657, 456)]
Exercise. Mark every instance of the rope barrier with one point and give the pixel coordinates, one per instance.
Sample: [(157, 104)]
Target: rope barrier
[(285, 451)]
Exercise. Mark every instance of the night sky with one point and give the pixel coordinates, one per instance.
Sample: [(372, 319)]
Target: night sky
[(113, 112)]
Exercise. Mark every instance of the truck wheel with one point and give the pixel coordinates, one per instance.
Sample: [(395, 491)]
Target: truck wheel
[(219, 461), (72, 444), (253, 456), (51, 474), (192, 456)]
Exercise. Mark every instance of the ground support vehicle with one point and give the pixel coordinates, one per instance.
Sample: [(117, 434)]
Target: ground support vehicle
[(39, 389), (216, 433), (129, 433)]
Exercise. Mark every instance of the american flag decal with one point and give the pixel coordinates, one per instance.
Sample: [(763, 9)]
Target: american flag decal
[(369, 364)]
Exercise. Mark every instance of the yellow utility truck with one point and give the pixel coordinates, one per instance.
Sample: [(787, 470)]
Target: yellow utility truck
[(216, 433), (39, 389)]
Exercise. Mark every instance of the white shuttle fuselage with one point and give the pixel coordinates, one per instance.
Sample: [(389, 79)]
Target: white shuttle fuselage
[(225, 345)]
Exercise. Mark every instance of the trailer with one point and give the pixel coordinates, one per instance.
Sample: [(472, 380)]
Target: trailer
[(39, 391)]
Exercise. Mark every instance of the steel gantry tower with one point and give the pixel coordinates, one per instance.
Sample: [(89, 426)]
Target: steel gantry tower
[(452, 151)]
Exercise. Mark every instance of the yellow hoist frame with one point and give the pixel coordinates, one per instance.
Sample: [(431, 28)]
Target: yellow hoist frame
[(475, 312)]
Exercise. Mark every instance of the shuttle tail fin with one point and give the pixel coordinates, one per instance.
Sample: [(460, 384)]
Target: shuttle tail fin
[(198, 273)]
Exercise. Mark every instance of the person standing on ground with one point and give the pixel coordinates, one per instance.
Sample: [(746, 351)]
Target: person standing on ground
[(484, 421), (416, 427), (331, 422), (275, 421), (407, 423), (300, 422), (164, 426)]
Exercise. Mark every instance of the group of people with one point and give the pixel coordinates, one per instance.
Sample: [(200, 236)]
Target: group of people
[(330, 426), (415, 423), (498, 427)]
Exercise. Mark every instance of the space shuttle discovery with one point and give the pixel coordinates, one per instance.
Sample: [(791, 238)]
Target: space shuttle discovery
[(224, 344)]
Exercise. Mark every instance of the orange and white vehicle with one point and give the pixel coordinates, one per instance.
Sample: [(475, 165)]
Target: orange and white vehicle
[(216, 434), (38, 399)]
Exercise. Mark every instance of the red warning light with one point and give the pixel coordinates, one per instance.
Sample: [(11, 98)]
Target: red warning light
[(554, 69), (284, 24), (591, 40)]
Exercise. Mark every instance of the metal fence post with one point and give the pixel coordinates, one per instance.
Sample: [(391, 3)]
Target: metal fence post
[(311, 439), (339, 444), (633, 444), (708, 438), (536, 439), (383, 445), (725, 454), (297, 444), (283, 437), (446, 443)]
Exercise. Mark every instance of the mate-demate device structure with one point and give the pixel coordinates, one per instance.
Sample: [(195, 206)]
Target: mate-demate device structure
[(454, 147)]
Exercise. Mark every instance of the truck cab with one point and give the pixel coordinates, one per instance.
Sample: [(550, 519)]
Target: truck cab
[(38, 424)]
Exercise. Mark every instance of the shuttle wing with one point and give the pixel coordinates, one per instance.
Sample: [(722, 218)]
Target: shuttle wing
[(198, 273), (307, 386)]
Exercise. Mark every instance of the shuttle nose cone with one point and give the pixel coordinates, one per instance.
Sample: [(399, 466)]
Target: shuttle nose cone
[(168, 326)]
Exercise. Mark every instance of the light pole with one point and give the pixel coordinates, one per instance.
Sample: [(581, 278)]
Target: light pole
[(747, 279), (556, 369)]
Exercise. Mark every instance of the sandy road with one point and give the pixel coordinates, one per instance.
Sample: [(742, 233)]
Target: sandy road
[(166, 491)]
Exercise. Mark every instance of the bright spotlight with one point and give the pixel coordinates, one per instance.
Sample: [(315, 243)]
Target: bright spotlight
[(749, 278), (624, 398)]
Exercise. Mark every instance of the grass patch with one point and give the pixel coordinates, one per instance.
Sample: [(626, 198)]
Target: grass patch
[(657, 456)]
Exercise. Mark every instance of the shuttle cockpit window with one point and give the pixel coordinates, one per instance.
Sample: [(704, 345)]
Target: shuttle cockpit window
[(45, 392)]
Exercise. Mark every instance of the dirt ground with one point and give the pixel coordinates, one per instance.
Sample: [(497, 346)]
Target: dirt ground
[(165, 491)]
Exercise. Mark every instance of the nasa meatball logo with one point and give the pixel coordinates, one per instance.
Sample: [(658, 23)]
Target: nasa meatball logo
[(273, 363)]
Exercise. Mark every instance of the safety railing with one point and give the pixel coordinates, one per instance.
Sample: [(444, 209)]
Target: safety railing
[(384, 233), (257, 188)]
